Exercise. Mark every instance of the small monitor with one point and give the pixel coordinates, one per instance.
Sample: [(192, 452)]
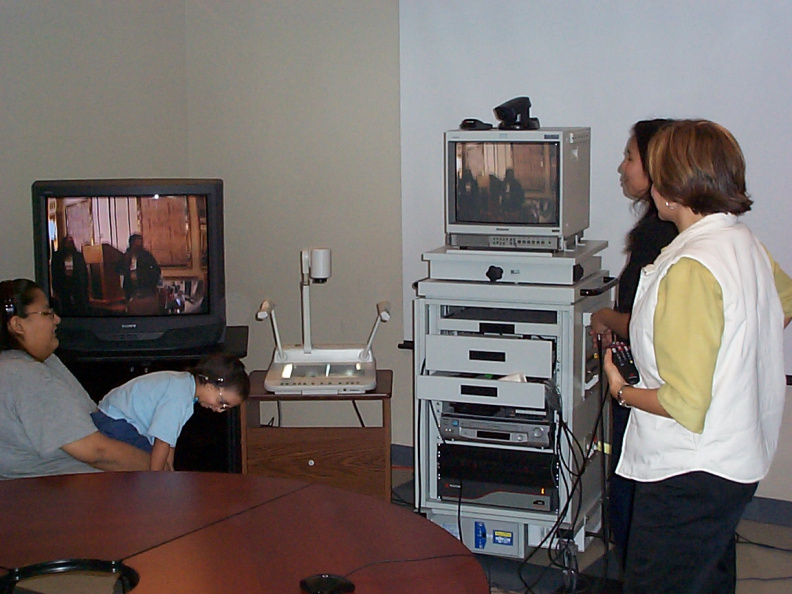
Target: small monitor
[(517, 189)]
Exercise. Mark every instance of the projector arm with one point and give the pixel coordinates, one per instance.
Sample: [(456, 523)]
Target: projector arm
[(267, 310), (383, 315)]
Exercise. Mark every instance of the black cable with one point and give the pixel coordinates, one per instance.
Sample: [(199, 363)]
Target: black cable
[(561, 514), (575, 470), (569, 491), (760, 579), (418, 475), (605, 528), (742, 540), (459, 496), (459, 514), (563, 549), (357, 412), (599, 427)]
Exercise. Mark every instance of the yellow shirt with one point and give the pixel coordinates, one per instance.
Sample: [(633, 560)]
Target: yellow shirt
[(688, 324)]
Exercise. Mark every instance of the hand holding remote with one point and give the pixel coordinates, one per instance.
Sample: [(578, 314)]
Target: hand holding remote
[(623, 359)]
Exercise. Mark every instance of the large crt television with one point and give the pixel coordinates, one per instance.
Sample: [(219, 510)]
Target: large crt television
[(132, 264), (517, 189)]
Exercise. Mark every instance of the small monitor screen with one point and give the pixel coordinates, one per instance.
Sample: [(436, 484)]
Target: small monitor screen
[(142, 255), (514, 183)]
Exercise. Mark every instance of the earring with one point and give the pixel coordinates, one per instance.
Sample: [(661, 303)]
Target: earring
[(669, 206)]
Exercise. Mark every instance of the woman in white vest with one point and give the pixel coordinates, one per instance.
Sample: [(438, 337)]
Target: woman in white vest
[(706, 333)]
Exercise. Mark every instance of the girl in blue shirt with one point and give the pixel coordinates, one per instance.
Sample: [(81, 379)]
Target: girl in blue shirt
[(150, 411)]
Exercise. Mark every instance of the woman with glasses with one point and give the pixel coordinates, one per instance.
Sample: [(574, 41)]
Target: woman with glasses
[(150, 411), (45, 414)]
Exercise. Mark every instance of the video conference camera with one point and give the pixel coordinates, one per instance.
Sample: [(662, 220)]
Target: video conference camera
[(515, 115)]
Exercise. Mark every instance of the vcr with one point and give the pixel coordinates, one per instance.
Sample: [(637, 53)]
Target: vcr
[(529, 433)]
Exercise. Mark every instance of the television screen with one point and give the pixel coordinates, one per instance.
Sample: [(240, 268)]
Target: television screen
[(126, 261), (507, 182)]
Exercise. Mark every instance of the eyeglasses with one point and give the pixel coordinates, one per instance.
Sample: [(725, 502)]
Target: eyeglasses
[(50, 313), (222, 405)]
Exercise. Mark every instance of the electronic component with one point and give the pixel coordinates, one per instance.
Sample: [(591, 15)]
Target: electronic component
[(536, 434), (328, 369), (623, 359)]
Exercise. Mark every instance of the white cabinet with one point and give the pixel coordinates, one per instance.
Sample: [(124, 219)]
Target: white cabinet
[(509, 413)]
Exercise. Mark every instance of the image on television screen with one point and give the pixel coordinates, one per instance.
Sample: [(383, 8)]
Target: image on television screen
[(136, 255), (507, 183)]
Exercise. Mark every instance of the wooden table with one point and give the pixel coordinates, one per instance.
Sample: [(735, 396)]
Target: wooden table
[(186, 532), (353, 458)]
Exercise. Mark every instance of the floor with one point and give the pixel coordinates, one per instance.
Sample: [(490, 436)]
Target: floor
[(764, 560)]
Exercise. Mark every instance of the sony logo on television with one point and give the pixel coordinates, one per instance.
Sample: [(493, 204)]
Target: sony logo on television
[(128, 326)]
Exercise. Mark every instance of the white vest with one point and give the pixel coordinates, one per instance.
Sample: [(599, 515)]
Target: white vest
[(743, 421)]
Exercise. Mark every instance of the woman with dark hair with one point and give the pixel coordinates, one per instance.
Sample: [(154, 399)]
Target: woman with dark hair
[(45, 414), (644, 242), (647, 237), (707, 338)]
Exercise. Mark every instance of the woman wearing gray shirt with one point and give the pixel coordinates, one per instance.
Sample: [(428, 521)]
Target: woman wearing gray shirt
[(45, 414)]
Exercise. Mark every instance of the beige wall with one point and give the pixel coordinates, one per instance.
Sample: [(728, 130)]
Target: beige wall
[(294, 104), (87, 89)]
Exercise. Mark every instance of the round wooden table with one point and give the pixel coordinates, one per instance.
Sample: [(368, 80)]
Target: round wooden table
[(204, 532)]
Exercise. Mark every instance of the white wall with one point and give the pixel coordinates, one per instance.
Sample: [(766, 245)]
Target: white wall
[(602, 64), (605, 65)]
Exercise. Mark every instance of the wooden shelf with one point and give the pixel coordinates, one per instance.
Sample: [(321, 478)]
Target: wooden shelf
[(352, 458)]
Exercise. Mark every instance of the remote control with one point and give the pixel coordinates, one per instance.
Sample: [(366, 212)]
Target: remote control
[(623, 359)]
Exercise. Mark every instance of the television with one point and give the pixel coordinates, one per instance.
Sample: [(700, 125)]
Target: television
[(517, 189), (132, 264)]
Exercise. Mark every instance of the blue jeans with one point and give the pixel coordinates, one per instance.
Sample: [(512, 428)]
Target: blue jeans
[(120, 429)]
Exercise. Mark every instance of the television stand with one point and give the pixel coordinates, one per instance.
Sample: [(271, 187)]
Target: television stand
[(209, 442), (351, 458)]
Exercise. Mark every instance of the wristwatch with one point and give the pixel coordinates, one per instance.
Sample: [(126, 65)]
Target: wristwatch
[(620, 397)]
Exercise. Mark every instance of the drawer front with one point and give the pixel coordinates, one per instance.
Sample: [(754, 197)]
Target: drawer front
[(521, 395), (496, 356), (354, 459)]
